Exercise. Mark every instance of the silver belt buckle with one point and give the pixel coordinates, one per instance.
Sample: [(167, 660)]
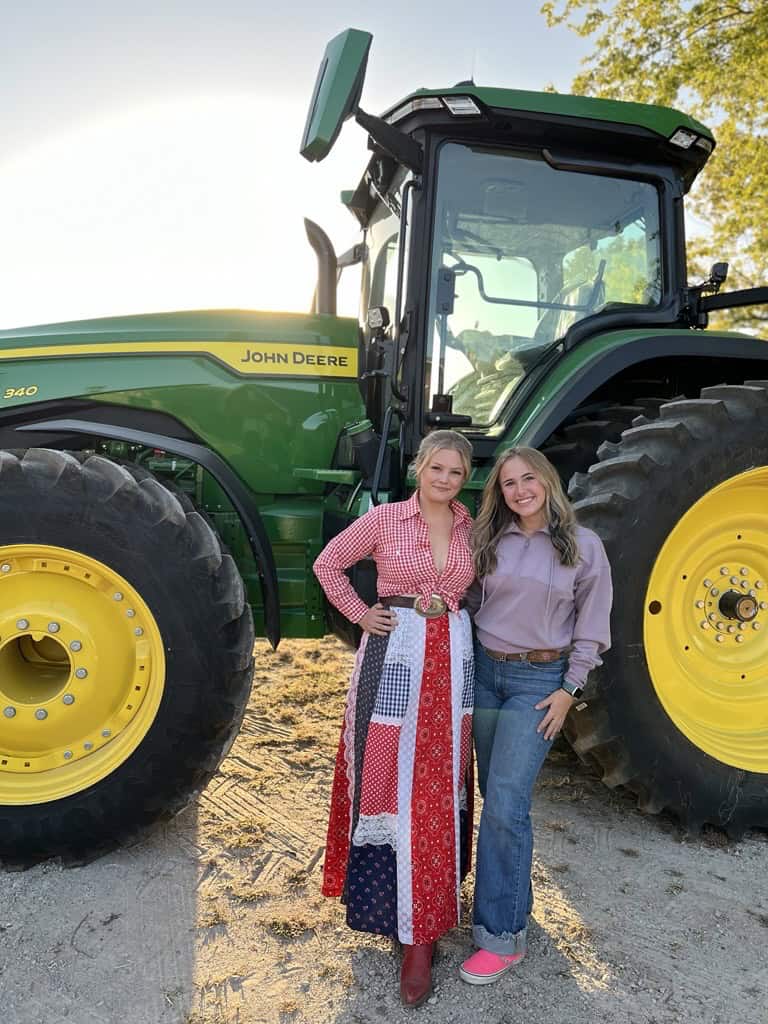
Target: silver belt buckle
[(434, 609)]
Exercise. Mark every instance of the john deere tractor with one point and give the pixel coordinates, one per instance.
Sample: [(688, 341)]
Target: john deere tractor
[(167, 480)]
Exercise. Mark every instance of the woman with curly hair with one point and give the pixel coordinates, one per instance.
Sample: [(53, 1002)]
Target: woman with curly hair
[(543, 600)]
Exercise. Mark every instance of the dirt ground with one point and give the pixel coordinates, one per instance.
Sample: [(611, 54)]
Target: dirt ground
[(217, 918)]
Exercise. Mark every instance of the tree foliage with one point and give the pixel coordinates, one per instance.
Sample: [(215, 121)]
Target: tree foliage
[(710, 59)]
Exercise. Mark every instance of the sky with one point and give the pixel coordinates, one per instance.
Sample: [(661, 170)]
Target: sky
[(150, 150)]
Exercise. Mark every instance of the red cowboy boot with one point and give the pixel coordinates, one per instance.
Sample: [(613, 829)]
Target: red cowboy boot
[(416, 974)]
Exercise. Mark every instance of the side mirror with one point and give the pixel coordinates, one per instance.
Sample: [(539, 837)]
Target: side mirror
[(338, 87)]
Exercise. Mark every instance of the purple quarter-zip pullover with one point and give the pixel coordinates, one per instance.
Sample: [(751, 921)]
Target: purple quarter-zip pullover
[(532, 602)]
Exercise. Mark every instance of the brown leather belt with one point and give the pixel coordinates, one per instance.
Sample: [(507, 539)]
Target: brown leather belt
[(524, 655), (434, 609)]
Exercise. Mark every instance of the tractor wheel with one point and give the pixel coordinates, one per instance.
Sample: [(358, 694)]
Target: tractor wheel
[(125, 654), (680, 707), (573, 448)]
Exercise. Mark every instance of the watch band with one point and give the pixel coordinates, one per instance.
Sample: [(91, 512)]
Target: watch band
[(570, 688)]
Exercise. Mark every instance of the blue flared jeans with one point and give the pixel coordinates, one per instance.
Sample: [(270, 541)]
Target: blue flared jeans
[(510, 753)]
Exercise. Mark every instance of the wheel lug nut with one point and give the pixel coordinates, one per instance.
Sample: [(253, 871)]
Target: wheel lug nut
[(745, 584), (713, 616), (704, 624), (118, 596), (53, 627), (5, 567), (759, 584), (22, 624), (88, 745), (130, 613), (731, 628), (9, 712), (138, 631), (699, 604), (739, 639), (81, 673), (735, 580), (764, 605), (755, 625), (67, 699), (721, 625), (724, 570), (714, 591), (106, 732), (707, 583), (742, 625), (75, 646), (40, 714), (67, 754), (719, 638), (744, 571)]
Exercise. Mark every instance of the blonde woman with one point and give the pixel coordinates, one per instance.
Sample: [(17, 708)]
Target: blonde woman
[(400, 821), (543, 598)]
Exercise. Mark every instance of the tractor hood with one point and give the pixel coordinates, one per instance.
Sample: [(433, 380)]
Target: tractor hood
[(283, 344)]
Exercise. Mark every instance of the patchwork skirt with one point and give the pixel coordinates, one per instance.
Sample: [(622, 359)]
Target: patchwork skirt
[(400, 828)]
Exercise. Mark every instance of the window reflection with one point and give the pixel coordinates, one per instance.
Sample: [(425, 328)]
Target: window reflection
[(533, 251)]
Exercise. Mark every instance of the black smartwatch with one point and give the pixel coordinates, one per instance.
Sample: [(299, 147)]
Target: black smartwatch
[(570, 688)]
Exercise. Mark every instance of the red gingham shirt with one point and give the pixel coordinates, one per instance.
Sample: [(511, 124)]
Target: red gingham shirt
[(397, 536)]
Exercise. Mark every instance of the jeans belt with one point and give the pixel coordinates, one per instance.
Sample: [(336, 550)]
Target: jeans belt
[(433, 610), (524, 655)]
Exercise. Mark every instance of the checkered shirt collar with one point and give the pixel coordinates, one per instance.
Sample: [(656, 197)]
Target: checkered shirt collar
[(412, 508)]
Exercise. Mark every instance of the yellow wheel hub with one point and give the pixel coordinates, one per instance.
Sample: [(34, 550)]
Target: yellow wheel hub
[(82, 671), (706, 622)]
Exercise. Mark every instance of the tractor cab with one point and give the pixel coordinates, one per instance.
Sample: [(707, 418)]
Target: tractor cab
[(501, 228)]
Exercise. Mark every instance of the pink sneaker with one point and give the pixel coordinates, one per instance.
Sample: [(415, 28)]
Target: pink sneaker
[(483, 967)]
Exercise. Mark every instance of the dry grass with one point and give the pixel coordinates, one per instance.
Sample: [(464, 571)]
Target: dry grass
[(301, 688), (246, 891), (241, 834), (290, 926), (211, 914)]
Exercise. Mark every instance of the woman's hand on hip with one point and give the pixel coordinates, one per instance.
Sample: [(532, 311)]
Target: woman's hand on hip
[(557, 704), (378, 620)]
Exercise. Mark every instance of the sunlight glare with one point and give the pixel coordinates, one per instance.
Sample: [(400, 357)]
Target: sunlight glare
[(192, 204)]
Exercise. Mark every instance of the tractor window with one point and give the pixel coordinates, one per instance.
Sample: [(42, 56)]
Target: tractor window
[(531, 251), (383, 235), (382, 241)]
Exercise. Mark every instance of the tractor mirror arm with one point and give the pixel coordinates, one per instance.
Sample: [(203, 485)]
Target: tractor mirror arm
[(730, 300), (394, 142)]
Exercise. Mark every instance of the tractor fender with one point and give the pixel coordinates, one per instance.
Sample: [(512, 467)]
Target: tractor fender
[(224, 476), (583, 372)]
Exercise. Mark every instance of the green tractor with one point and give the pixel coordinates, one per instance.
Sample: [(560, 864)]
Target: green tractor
[(167, 480)]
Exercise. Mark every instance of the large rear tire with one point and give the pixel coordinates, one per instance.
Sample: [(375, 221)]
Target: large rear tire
[(679, 712), (125, 654)]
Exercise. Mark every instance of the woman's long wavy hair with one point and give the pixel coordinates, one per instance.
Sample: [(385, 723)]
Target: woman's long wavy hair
[(495, 516)]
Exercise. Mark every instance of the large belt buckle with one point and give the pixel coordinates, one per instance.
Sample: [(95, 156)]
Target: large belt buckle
[(434, 609)]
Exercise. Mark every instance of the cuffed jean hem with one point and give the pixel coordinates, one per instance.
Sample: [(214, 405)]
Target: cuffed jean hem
[(507, 944)]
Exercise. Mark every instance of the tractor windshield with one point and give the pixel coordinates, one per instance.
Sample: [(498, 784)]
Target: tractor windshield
[(531, 250)]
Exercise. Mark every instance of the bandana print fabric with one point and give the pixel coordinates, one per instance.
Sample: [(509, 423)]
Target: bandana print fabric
[(400, 826)]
